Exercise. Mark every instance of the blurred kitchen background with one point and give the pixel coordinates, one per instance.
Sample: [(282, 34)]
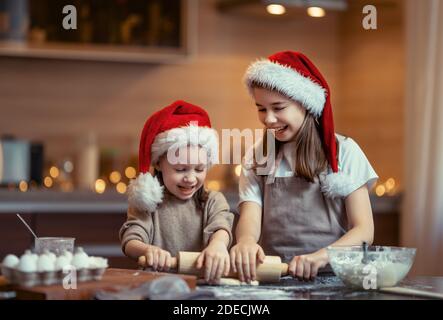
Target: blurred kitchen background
[(73, 103)]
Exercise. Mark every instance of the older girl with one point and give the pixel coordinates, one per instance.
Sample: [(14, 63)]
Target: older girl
[(316, 193)]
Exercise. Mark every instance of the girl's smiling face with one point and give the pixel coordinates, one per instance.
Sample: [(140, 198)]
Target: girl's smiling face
[(279, 113), (185, 177)]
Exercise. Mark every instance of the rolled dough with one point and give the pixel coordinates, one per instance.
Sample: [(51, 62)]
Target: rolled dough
[(231, 282)]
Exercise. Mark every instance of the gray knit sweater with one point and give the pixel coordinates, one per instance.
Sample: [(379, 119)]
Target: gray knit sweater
[(178, 225)]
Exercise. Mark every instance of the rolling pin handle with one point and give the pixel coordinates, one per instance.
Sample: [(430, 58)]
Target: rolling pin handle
[(284, 269), (174, 263)]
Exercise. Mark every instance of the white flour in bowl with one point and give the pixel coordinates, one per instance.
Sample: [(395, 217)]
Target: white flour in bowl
[(380, 271)]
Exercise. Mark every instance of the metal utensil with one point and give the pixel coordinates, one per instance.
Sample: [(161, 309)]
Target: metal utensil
[(365, 259), (27, 226)]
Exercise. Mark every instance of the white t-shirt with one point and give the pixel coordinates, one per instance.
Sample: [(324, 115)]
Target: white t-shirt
[(351, 160)]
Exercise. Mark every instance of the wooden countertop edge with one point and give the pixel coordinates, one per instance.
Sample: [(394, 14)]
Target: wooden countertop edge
[(85, 290)]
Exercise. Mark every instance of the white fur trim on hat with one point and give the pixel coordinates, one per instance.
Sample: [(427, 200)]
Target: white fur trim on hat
[(338, 185), (179, 137), (145, 192), (289, 82)]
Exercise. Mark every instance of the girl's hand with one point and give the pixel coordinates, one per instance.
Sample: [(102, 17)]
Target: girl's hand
[(215, 258), (245, 256), (157, 258), (305, 267)]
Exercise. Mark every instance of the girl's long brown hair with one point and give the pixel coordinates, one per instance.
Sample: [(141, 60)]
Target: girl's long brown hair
[(310, 159), (309, 156)]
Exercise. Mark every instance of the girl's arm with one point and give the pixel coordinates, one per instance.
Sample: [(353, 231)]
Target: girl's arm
[(217, 236), (219, 219), (358, 209), (246, 253), (249, 223), (220, 236), (135, 248), (359, 212), (215, 257)]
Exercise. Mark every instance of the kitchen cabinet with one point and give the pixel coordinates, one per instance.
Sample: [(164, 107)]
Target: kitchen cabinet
[(107, 30)]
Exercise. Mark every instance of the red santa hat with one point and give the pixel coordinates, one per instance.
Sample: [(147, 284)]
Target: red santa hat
[(294, 75), (177, 125)]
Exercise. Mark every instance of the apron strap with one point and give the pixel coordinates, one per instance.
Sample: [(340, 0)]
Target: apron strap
[(270, 178)]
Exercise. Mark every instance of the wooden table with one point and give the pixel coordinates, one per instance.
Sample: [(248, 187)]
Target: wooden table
[(329, 288), (113, 278)]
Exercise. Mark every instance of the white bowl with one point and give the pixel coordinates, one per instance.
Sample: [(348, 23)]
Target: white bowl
[(384, 266)]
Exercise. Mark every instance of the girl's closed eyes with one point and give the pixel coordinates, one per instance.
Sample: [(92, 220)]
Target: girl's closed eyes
[(184, 169), (275, 109), (276, 106)]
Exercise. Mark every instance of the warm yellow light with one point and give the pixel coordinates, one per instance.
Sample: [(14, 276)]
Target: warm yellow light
[(276, 9), (238, 170), (316, 12), (214, 185), (130, 172), (121, 187), (54, 172), (115, 177), (100, 186), (380, 190), (23, 186), (48, 182), (390, 184)]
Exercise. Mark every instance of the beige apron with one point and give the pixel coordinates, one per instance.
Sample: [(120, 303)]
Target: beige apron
[(298, 218)]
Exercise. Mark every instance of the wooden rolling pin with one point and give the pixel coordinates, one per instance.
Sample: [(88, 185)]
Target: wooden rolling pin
[(269, 271)]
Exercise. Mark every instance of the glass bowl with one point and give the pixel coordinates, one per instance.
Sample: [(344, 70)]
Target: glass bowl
[(54, 244), (383, 266)]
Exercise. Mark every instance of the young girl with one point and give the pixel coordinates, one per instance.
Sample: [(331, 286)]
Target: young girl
[(316, 193), (171, 211)]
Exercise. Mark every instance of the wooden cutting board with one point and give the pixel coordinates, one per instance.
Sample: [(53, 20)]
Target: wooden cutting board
[(113, 278)]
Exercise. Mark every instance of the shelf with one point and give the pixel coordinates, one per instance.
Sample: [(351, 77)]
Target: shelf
[(46, 201), (62, 202), (89, 53)]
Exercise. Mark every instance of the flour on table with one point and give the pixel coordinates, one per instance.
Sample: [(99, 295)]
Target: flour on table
[(231, 282), (236, 282)]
